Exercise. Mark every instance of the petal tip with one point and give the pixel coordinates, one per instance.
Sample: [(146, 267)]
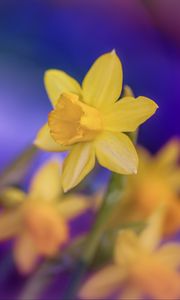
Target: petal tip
[(36, 142), (65, 189), (156, 106), (46, 74), (113, 51), (65, 186), (135, 171)]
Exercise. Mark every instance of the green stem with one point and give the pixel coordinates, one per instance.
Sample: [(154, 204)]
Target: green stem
[(134, 136), (113, 195)]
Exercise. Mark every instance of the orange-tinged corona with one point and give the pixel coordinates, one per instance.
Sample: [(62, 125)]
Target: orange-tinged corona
[(73, 121), (39, 220), (47, 228)]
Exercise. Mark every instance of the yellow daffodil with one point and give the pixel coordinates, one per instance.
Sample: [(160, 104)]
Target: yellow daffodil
[(141, 268), (89, 122), (38, 220), (157, 181)]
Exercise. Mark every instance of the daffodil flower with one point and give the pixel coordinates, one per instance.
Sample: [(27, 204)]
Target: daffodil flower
[(89, 122), (157, 181), (39, 219), (141, 267)]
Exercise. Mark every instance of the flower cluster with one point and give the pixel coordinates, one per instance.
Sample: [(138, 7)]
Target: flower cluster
[(157, 182), (99, 120), (141, 267)]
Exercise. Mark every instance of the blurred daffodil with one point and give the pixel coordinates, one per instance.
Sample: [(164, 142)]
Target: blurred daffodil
[(157, 181), (141, 267), (38, 220), (89, 122)]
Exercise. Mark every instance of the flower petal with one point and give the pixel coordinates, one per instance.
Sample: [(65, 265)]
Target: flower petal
[(77, 165), (151, 236), (126, 249), (46, 184), (11, 197), (116, 153), (169, 155), (127, 92), (73, 205), (127, 114), (145, 161), (10, 223), (103, 83), (58, 82), (174, 179), (45, 141), (103, 283), (25, 254), (156, 280), (169, 254), (130, 293)]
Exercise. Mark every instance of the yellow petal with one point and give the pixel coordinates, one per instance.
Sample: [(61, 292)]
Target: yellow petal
[(145, 160), (45, 141), (25, 254), (10, 224), (168, 156), (103, 283), (73, 205), (79, 162), (130, 293), (11, 196), (58, 82), (126, 249), (46, 184), (103, 83), (116, 152), (169, 254), (128, 113), (155, 279), (152, 234), (127, 92), (174, 178)]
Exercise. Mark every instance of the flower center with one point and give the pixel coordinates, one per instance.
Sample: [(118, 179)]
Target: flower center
[(46, 227), (72, 121)]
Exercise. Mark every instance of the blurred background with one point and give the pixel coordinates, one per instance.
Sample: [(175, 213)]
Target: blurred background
[(70, 34)]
